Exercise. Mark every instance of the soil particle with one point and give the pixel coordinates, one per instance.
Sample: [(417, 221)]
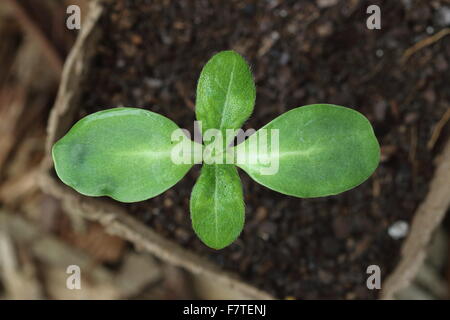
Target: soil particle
[(442, 16)]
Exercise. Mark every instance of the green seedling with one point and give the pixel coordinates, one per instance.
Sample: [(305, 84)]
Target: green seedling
[(128, 153)]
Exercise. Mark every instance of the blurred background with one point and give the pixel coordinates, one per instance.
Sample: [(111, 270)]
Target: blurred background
[(150, 54)]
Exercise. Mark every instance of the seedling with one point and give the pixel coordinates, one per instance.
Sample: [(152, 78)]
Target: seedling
[(128, 153)]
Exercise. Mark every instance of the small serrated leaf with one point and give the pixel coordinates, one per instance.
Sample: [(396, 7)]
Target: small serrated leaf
[(225, 92), (217, 205)]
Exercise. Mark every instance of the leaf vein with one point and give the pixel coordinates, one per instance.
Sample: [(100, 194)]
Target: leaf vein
[(228, 93), (215, 205)]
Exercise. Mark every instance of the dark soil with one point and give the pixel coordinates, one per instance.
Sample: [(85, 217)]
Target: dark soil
[(301, 52)]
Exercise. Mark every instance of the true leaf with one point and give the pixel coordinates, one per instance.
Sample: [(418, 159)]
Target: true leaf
[(123, 153), (225, 92), (217, 205), (323, 150)]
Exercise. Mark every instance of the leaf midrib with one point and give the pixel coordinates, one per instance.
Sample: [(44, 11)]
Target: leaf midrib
[(257, 156), (215, 205), (149, 154), (227, 95)]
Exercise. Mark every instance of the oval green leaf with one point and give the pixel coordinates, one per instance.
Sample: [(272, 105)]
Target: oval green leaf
[(123, 153), (225, 92), (217, 205), (323, 150)]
